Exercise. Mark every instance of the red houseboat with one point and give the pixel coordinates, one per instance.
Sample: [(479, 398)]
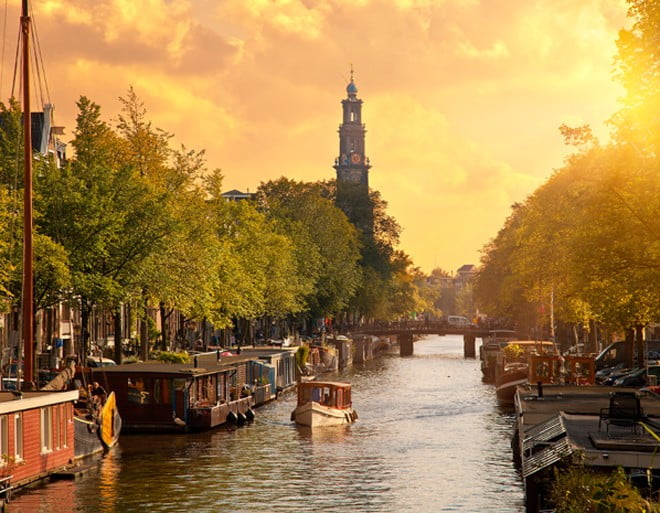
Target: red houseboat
[(36, 435)]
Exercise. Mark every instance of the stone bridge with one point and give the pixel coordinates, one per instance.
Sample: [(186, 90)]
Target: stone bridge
[(407, 331)]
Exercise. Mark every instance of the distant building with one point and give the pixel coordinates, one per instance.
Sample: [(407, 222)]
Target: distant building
[(45, 140), (465, 274), (236, 195), (44, 135), (456, 291)]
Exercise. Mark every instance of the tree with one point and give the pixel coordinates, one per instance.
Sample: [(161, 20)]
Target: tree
[(6, 266), (105, 214), (328, 243), (638, 70)]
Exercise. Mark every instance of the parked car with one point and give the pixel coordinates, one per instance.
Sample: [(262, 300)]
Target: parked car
[(458, 321), (637, 378), (614, 375), (603, 374), (97, 361)]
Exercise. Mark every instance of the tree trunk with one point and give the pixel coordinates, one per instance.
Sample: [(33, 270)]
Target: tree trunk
[(591, 338), (116, 317), (83, 347), (630, 339), (163, 326), (144, 329), (639, 345)]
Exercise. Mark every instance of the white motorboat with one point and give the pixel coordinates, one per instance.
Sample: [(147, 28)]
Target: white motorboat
[(324, 403)]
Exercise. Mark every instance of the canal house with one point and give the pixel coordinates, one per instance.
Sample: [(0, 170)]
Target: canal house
[(162, 397), (36, 435)]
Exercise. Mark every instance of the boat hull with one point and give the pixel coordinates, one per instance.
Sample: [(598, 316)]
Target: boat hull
[(92, 436), (208, 417), (313, 414), (505, 386)]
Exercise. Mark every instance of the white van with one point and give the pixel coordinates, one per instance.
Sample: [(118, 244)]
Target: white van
[(458, 321)]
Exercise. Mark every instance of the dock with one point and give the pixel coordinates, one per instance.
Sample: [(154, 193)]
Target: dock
[(556, 422)]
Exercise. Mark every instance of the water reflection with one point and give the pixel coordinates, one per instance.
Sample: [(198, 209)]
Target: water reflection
[(429, 438), (108, 481)]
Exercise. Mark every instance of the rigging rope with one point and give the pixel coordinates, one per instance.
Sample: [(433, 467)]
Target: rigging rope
[(4, 39), (39, 62), (16, 62)]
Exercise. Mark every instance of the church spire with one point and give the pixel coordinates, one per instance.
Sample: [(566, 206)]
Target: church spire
[(352, 165), (351, 88)]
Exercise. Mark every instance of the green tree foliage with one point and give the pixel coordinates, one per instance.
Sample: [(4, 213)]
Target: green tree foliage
[(6, 266), (50, 263), (257, 268), (590, 236), (116, 206), (577, 489), (405, 288), (638, 70), (327, 243)]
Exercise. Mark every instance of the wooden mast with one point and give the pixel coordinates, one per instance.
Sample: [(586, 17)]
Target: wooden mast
[(28, 273)]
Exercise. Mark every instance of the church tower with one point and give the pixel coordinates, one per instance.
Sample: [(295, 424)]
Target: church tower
[(352, 165)]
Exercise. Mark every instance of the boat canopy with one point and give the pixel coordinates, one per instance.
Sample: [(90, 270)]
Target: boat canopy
[(328, 393)]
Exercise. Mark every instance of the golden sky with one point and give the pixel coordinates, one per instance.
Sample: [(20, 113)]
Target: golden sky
[(462, 98)]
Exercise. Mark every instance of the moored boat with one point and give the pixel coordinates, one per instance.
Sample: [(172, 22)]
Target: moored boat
[(513, 374), (171, 397), (491, 348), (513, 366), (96, 418), (324, 403), (96, 429)]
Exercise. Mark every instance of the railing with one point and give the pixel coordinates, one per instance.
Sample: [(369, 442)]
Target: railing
[(5, 487), (441, 327)]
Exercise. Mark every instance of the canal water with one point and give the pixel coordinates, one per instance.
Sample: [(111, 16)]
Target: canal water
[(430, 438)]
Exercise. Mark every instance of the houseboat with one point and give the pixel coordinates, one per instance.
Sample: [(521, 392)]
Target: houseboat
[(36, 436), (96, 419), (513, 366), (274, 371), (323, 403), (491, 349), (162, 397)]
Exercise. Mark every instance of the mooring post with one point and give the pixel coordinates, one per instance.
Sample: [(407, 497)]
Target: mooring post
[(469, 346), (405, 344)]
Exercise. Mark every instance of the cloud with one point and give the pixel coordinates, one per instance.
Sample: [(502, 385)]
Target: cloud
[(462, 98)]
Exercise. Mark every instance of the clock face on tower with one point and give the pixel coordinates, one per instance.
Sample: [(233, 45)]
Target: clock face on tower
[(355, 176), (355, 158)]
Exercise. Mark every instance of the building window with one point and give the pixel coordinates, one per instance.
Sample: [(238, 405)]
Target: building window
[(65, 428), (57, 426), (46, 430), (18, 436), (4, 439)]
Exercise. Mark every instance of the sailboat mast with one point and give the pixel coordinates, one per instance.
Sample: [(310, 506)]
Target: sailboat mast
[(28, 272)]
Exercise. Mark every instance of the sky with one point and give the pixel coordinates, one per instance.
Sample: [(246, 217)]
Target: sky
[(462, 98)]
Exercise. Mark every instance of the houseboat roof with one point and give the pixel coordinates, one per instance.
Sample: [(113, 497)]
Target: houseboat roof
[(533, 342), (19, 401), (316, 384), (577, 399), (206, 364)]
